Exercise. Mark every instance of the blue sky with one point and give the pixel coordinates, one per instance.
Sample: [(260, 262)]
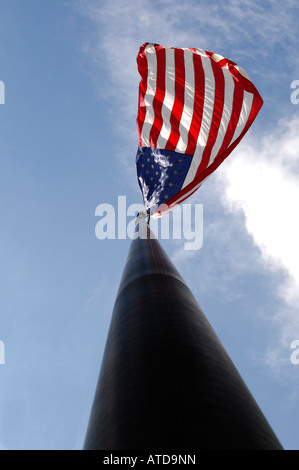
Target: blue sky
[(68, 141)]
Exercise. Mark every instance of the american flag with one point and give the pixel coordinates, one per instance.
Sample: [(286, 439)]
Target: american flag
[(194, 108)]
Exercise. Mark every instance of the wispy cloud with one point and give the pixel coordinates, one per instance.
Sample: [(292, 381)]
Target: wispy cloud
[(248, 29), (261, 35)]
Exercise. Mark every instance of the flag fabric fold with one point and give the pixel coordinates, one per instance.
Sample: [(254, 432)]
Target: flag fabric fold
[(194, 108)]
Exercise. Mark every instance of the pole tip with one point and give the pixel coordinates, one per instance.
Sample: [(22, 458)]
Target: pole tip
[(140, 215)]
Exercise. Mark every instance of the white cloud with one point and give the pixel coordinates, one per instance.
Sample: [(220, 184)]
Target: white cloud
[(262, 182)]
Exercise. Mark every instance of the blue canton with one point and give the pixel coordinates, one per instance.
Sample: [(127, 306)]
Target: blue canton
[(161, 174)]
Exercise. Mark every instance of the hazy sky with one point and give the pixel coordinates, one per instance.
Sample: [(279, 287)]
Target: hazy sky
[(68, 140)]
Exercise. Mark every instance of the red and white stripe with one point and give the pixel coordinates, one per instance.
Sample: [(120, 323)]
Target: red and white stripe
[(193, 102)]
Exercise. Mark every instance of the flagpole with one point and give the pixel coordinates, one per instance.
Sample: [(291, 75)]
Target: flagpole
[(166, 381)]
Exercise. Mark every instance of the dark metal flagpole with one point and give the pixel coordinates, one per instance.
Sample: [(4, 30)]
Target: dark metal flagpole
[(166, 381)]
